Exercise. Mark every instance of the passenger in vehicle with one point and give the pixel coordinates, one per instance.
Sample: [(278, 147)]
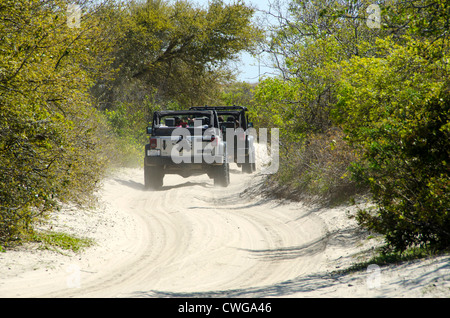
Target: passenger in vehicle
[(231, 121)]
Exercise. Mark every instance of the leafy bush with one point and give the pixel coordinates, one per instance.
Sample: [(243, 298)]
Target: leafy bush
[(314, 159), (396, 108), (316, 170), (50, 135), (128, 130), (387, 89)]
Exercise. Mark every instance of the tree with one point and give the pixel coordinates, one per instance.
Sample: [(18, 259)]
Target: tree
[(396, 108), (307, 38), (178, 50), (238, 93), (49, 132)]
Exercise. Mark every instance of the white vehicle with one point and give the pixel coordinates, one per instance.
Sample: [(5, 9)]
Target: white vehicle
[(185, 143)]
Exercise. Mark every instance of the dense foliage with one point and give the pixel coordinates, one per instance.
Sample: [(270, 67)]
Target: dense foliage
[(398, 114), (49, 133), (383, 91), (177, 52)]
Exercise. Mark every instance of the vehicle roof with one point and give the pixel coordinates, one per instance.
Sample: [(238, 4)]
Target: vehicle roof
[(222, 108), (184, 112)]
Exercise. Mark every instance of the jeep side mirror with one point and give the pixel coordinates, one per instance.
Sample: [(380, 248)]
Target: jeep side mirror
[(149, 130), (250, 125)]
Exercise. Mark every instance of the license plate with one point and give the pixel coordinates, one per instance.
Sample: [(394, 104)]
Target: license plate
[(154, 153)]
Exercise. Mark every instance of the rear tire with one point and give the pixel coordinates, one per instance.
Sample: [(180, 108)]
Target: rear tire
[(222, 175), (249, 166), (246, 168), (153, 178)]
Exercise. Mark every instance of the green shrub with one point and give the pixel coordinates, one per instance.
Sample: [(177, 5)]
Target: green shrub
[(396, 109), (316, 170), (51, 137), (128, 129)]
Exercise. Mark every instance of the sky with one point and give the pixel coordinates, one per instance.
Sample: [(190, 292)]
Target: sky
[(250, 68)]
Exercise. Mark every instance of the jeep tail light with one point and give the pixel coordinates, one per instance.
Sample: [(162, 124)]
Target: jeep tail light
[(153, 143)]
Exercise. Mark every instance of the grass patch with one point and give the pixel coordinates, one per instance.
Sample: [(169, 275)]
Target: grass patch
[(393, 258), (59, 241)]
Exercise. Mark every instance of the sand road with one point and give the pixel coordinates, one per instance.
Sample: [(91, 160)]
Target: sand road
[(192, 239)]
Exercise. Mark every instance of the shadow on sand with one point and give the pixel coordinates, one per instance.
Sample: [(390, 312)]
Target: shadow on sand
[(140, 186)]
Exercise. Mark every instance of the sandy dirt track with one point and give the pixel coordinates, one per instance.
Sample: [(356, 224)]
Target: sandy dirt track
[(192, 239)]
